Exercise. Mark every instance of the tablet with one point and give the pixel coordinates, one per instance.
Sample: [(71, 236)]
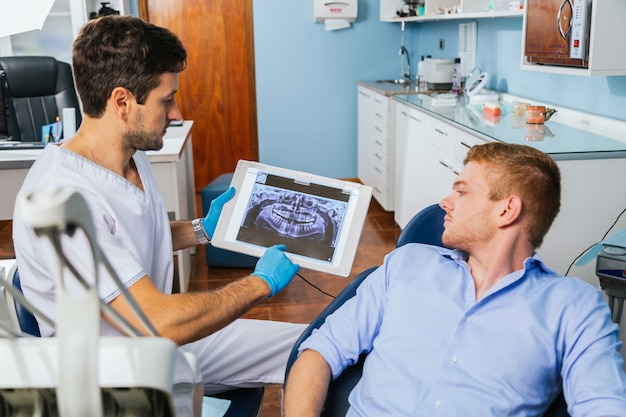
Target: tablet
[(319, 219)]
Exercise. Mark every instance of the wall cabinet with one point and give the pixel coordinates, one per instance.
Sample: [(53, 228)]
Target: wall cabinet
[(607, 54), (376, 148), (445, 10), (59, 30)]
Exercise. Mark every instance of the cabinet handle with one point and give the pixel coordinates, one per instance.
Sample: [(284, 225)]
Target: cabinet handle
[(377, 190), (416, 119), (404, 113), (380, 116), (558, 18), (378, 156), (456, 172), (466, 145), (378, 101), (445, 165), (379, 129), (379, 143), (364, 94), (378, 170), (441, 132)]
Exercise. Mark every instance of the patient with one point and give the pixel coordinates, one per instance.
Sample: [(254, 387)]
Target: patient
[(484, 329)]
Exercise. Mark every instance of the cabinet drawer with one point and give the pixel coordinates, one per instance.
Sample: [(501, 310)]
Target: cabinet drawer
[(379, 157), (380, 102), (379, 143), (443, 137), (464, 141), (379, 129), (382, 188)]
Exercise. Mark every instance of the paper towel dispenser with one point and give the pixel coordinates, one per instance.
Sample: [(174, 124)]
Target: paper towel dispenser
[(325, 10)]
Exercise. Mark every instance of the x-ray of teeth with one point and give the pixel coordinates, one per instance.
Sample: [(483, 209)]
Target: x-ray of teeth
[(309, 225)]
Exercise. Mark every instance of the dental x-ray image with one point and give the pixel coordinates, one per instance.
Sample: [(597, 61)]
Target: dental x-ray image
[(307, 218)]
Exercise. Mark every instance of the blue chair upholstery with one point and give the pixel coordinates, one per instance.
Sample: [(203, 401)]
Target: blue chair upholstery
[(217, 257), (28, 323), (425, 227), (245, 402)]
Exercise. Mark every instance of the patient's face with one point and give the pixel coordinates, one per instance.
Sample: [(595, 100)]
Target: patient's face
[(470, 213)]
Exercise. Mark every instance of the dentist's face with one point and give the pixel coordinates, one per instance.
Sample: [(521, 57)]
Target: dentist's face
[(151, 119)]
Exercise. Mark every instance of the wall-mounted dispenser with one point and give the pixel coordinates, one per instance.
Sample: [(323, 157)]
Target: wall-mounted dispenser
[(335, 14)]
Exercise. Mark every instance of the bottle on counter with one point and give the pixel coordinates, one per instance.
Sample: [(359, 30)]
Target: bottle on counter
[(421, 81), (457, 77)]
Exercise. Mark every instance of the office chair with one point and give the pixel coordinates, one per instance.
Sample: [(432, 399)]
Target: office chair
[(425, 227), (36, 89), (244, 402)]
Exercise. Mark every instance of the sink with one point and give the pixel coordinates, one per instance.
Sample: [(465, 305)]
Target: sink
[(396, 81)]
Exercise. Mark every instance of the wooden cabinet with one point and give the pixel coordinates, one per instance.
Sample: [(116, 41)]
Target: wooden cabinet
[(548, 29), (376, 149), (59, 30), (445, 10), (546, 50)]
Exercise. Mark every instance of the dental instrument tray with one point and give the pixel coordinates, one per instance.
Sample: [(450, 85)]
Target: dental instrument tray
[(319, 219)]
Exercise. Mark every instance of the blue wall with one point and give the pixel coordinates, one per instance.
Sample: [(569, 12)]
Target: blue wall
[(306, 83), (306, 78), (499, 46)]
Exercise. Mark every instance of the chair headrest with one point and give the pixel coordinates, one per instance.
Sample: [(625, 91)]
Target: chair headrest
[(30, 76)]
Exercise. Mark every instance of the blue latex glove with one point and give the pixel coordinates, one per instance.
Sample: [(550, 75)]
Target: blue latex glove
[(215, 209), (275, 268)]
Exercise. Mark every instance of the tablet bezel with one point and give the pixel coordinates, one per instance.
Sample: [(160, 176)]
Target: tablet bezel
[(352, 219)]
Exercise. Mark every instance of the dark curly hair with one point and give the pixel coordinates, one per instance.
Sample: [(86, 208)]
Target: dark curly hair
[(122, 51)]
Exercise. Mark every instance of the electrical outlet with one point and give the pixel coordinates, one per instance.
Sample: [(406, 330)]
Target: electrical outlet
[(442, 44)]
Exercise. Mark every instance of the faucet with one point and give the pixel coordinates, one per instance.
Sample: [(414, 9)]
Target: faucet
[(405, 74)]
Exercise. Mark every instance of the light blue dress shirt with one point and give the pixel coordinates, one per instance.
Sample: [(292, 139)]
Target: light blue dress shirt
[(435, 351)]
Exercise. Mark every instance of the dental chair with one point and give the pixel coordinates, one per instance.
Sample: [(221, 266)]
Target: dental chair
[(36, 89), (144, 388), (425, 227)]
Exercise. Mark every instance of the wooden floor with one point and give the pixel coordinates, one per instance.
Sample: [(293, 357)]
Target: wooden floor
[(299, 302)]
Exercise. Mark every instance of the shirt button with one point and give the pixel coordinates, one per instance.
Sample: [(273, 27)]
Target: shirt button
[(453, 359), (437, 404)]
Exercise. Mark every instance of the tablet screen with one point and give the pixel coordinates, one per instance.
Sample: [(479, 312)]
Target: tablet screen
[(318, 219)]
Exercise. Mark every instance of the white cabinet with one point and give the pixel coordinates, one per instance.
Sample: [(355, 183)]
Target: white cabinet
[(59, 30), (376, 150), (429, 156), (412, 131), (445, 10), (607, 53)]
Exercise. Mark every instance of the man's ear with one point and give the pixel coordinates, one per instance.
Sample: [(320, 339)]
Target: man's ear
[(511, 210), (122, 100)]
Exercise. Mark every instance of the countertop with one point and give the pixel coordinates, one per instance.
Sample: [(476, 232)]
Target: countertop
[(567, 135), (389, 88)]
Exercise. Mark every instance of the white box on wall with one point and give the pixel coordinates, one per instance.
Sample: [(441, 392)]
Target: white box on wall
[(335, 14)]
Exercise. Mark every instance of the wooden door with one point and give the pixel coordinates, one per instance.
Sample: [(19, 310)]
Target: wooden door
[(548, 32), (217, 90)]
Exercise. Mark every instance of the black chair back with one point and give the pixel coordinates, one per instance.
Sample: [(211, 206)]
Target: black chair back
[(36, 89)]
